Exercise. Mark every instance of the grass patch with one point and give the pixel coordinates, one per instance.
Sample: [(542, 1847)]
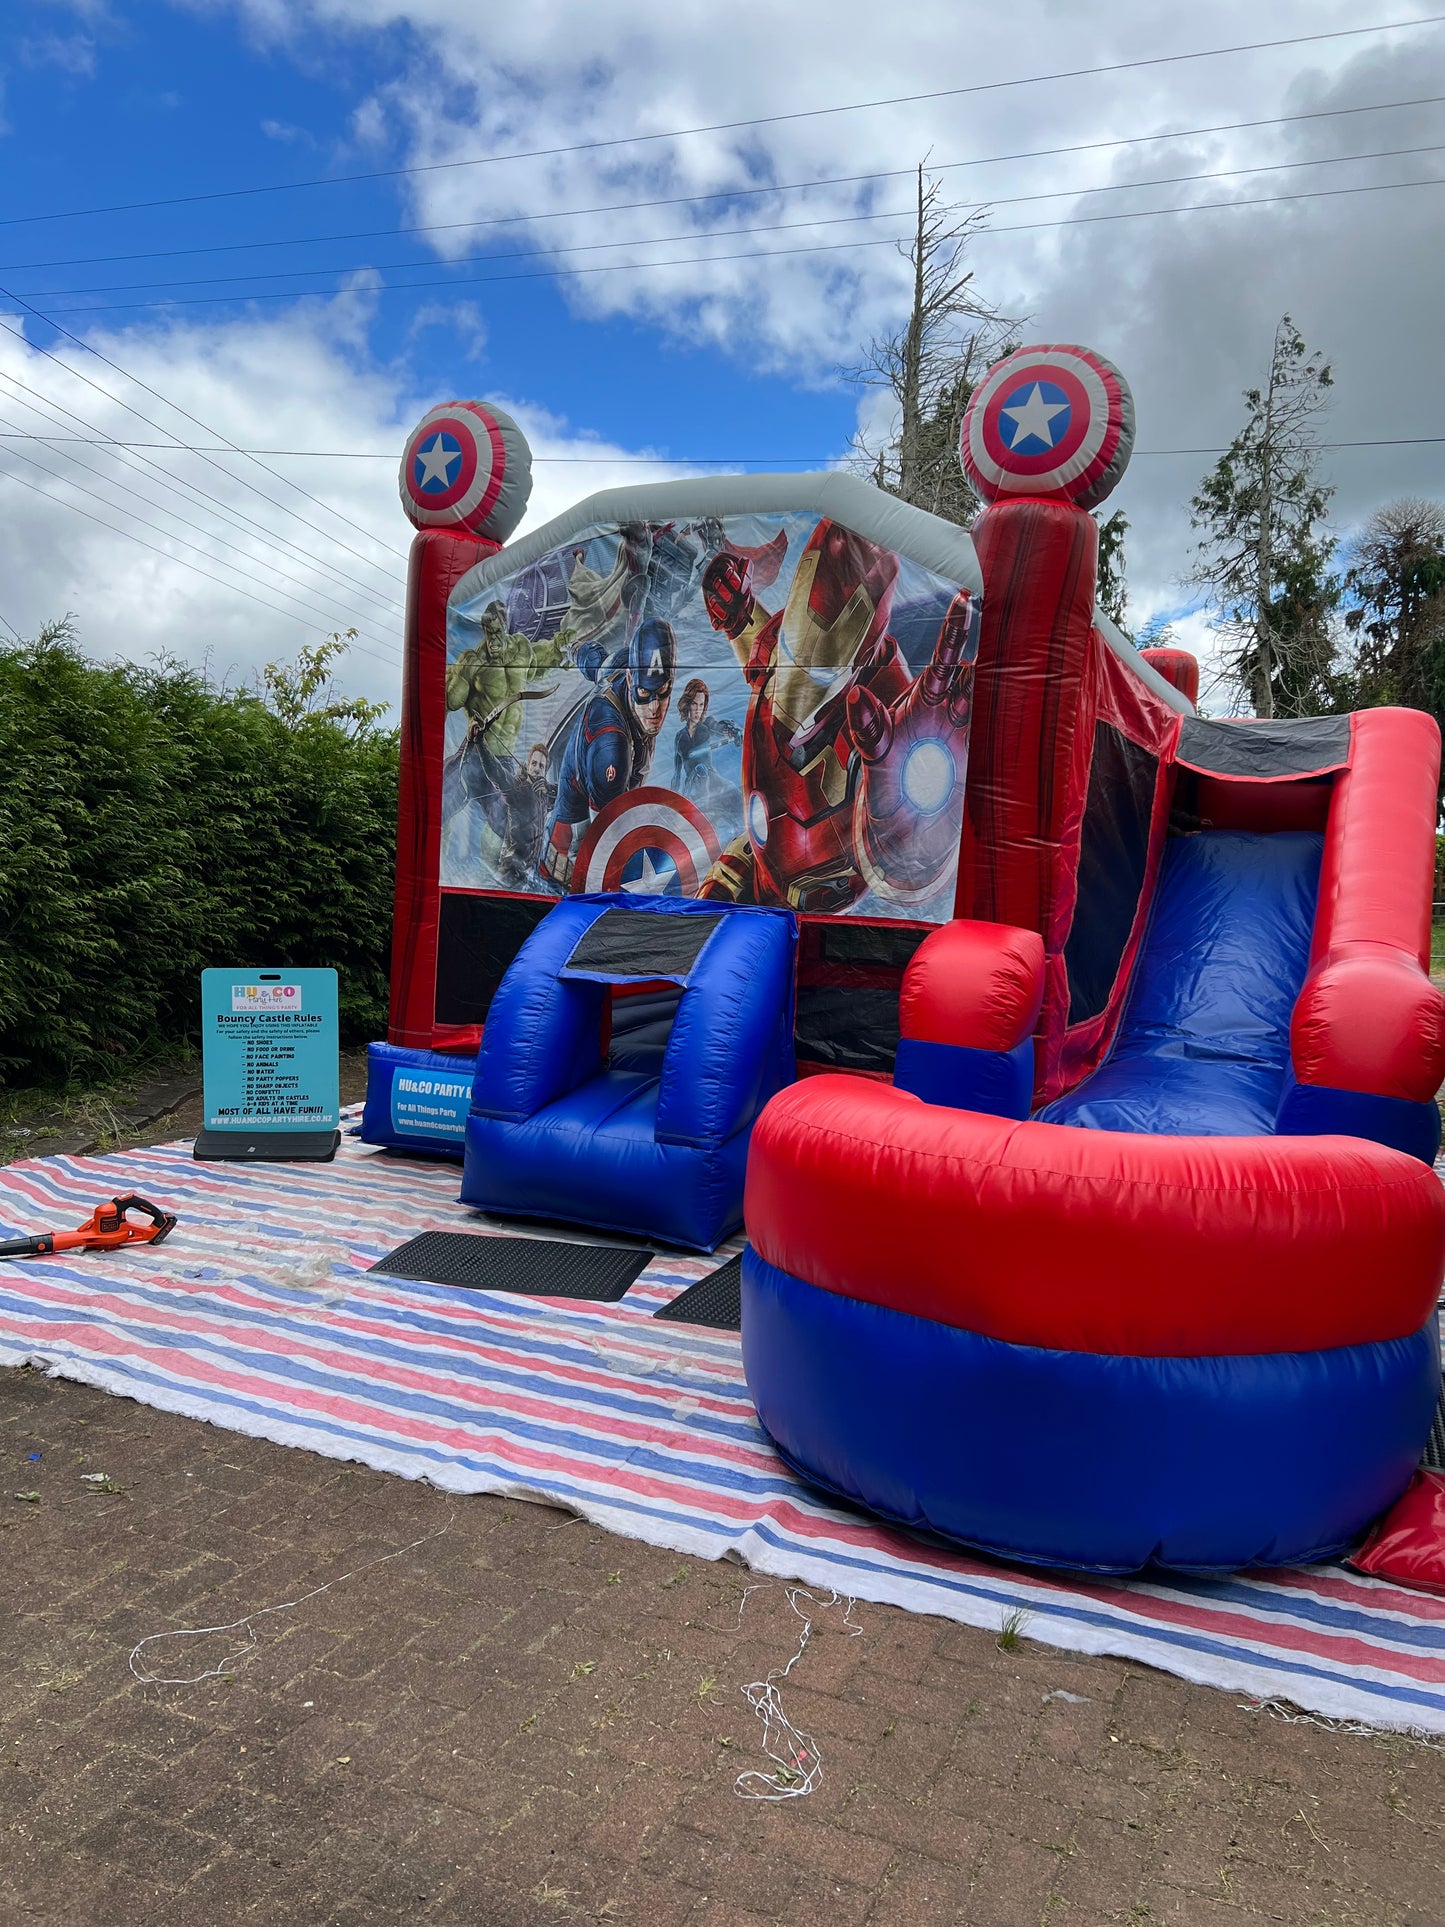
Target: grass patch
[(1011, 1632)]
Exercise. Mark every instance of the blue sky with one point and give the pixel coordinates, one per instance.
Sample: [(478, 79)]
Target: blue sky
[(114, 101), (153, 100)]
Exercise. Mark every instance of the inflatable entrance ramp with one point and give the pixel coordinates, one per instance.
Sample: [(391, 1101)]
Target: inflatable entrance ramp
[(629, 1050)]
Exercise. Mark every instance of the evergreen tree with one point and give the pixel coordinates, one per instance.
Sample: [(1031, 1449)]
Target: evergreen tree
[(1113, 589), (1264, 556), (1395, 592)]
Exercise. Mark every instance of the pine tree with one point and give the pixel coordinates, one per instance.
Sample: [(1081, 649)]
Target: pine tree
[(932, 365), (1395, 590), (1113, 589), (1264, 557)]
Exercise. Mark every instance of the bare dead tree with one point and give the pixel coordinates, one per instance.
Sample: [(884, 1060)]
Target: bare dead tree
[(932, 364)]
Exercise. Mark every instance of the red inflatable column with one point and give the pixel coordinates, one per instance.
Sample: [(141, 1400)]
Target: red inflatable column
[(1038, 561), (439, 560), (1047, 435), (466, 475)]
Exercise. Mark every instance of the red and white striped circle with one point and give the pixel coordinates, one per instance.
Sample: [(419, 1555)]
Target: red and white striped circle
[(1055, 421), (457, 461), (668, 835)]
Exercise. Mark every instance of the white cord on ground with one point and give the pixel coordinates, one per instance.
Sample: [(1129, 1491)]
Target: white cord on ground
[(244, 1624), (797, 1763), (1280, 1710)]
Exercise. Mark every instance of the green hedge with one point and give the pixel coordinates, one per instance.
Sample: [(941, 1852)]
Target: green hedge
[(150, 825)]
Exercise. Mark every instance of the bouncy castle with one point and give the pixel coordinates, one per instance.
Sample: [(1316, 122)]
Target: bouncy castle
[(773, 853)]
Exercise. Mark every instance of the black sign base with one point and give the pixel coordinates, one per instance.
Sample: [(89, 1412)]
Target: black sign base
[(267, 1147)]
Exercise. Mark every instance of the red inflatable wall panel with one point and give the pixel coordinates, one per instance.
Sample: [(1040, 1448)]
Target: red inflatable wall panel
[(1233, 803)]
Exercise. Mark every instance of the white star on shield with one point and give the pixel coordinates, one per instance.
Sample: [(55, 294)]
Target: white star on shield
[(436, 462), (1033, 419)]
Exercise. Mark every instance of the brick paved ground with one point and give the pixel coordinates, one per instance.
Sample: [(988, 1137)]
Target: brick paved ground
[(526, 1720)]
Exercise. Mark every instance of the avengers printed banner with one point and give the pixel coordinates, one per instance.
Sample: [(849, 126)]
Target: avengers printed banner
[(763, 708)]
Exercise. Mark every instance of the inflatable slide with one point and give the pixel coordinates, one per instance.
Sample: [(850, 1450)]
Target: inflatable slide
[(1137, 1258)]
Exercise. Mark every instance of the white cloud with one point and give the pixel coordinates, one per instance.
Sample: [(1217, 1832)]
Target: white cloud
[(463, 319), (72, 53), (303, 381), (1186, 303), (280, 130), (368, 123)]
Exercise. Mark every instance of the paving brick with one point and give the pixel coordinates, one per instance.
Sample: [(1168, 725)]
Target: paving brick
[(987, 1803), (920, 1889), (487, 1768), (918, 1826), (712, 1912), (1014, 1880), (748, 1877), (1198, 1843), (1107, 1870)]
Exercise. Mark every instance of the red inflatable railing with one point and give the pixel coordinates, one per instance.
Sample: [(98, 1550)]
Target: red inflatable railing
[(1368, 1017), (1094, 1241)]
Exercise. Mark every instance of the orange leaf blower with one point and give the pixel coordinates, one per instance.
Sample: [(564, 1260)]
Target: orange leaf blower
[(108, 1226)]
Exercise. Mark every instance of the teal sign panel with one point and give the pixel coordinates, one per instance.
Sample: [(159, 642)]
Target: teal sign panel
[(272, 1050)]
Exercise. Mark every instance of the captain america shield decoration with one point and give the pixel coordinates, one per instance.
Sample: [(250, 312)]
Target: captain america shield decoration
[(647, 842), (453, 467), (1054, 421)]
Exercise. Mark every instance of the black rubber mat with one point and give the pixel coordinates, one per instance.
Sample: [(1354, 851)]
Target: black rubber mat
[(1434, 1459), (267, 1147), (536, 1267), (716, 1300)]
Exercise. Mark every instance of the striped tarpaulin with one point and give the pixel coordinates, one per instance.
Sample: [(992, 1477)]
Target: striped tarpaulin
[(258, 1315)]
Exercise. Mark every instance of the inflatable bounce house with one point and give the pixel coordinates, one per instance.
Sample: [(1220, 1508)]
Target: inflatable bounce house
[(773, 850)]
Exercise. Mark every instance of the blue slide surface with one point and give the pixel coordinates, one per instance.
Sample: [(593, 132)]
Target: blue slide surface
[(1203, 1045)]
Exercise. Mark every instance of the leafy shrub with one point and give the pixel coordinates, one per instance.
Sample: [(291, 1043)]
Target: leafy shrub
[(151, 825)]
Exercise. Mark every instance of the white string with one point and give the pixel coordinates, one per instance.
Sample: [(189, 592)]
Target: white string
[(797, 1763), (244, 1624), (1278, 1710)]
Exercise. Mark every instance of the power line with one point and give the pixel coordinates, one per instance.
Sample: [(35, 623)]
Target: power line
[(11, 627), (346, 615), (730, 193), (156, 529), (179, 561), (131, 409), (775, 227), (662, 461), (733, 126), (296, 487), (709, 260), (44, 406)]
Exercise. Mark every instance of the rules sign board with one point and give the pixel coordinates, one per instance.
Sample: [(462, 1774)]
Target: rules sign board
[(271, 1050)]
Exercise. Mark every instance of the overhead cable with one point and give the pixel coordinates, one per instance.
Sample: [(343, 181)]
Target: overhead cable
[(734, 126)]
